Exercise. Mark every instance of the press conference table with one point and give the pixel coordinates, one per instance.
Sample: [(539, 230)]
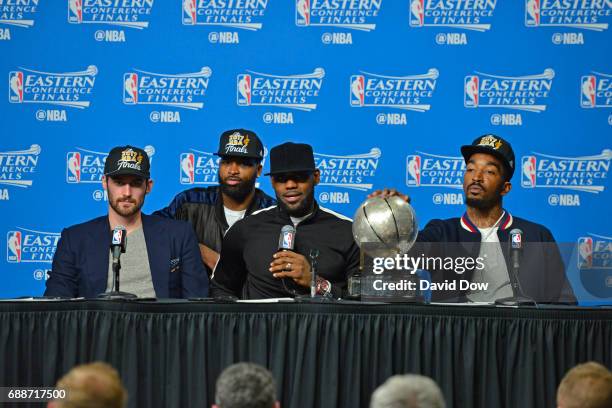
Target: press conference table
[(169, 354)]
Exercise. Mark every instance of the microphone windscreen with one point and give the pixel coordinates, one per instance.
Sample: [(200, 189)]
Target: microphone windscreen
[(286, 240), (119, 237), (516, 238)]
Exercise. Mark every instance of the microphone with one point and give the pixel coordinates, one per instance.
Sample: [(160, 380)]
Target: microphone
[(286, 240), (118, 242), (117, 246), (516, 247)]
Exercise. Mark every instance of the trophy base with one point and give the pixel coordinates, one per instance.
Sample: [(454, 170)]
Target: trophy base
[(515, 301), (316, 299), (415, 299), (116, 295)]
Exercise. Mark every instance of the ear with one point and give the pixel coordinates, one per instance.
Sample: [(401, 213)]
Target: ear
[(317, 176), (104, 183), (259, 169), (149, 185), (506, 188)]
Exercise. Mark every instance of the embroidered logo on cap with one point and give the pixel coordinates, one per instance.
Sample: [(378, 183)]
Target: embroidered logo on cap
[(129, 160), (237, 143), (490, 141)]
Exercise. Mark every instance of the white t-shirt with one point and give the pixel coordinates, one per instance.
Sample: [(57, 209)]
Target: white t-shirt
[(495, 271), (297, 220), (232, 216)]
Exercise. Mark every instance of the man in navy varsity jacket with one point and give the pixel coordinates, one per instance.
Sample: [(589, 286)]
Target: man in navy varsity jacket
[(483, 232)]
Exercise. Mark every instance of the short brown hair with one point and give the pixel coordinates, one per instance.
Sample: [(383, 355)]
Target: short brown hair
[(95, 385), (587, 385)]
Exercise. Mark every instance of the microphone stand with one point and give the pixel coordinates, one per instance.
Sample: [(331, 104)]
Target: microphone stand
[(518, 298), (116, 293), (314, 254), (313, 297)]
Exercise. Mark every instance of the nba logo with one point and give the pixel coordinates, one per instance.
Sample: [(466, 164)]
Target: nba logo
[(117, 235), (244, 90), (585, 252), (532, 13), (287, 240), (588, 85), (302, 13), (357, 87), (130, 88), (13, 246), (516, 241), (75, 11), (528, 171), (73, 167), (189, 12), (471, 86), (15, 87), (417, 13), (413, 171), (187, 168)]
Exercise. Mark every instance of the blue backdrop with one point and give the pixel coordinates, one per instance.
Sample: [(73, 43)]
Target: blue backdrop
[(385, 90)]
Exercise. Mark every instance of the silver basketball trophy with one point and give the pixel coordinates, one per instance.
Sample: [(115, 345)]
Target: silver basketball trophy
[(382, 228)]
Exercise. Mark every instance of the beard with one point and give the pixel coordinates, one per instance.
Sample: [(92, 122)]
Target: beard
[(114, 203), (240, 191), (301, 209), (485, 203)]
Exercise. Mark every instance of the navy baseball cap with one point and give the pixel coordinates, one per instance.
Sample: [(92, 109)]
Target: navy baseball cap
[(240, 143), (128, 160), (495, 146)]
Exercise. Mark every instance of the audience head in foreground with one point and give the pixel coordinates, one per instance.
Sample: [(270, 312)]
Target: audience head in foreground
[(408, 391), (245, 385), (587, 385), (95, 385)]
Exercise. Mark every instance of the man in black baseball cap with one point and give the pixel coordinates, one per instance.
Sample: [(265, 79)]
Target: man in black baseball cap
[(131, 165), (294, 161), (241, 153), (484, 231), (212, 210), (252, 266), (161, 258), (495, 146), (489, 169)]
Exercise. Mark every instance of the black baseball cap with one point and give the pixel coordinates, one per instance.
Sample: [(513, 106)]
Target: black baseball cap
[(127, 160), (291, 158), (495, 146), (240, 143)]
